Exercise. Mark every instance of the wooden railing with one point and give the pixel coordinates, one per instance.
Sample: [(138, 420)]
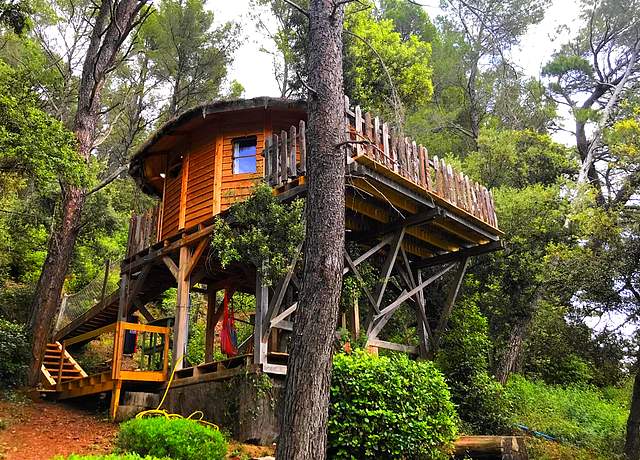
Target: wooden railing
[(370, 137), (152, 357), (142, 231)]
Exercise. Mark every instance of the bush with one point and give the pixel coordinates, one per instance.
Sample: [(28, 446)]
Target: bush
[(14, 349), (464, 359), (389, 408), (577, 415), (180, 439)]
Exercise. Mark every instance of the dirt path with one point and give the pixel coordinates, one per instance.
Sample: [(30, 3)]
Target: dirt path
[(38, 431)]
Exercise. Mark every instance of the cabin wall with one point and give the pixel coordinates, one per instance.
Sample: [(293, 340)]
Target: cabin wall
[(206, 184)]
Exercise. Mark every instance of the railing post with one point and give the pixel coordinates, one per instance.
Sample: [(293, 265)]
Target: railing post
[(60, 367), (303, 147)]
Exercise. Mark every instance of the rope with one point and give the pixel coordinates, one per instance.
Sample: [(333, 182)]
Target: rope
[(197, 416)]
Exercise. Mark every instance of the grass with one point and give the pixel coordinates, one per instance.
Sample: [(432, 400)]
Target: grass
[(588, 422)]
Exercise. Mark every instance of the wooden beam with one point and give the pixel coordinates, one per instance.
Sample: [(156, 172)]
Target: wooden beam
[(388, 267), (195, 256), (276, 302), (451, 299), (461, 254), (213, 316), (181, 325), (171, 265), (90, 335), (409, 349), (262, 305), (284, 314)]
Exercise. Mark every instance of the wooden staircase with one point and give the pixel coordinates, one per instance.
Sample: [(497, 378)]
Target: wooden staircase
[(59, 363)]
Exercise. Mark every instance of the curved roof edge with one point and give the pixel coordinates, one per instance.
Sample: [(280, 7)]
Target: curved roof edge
[(231, 105)]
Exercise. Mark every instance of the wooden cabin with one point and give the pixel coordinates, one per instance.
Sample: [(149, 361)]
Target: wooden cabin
[(412, 216)]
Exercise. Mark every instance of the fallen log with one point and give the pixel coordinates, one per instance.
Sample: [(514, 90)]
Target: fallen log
[(491, 447)]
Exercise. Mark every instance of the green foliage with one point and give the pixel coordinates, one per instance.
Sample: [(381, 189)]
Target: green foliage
[(407, 60), (181, 439), (518, 159), (388, 408), (464, 360), (31, 141), (578, 415), (262, 231), (14, 346), (188, 52)]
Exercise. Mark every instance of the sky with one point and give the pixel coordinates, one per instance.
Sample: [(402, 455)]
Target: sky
[(254, 68)]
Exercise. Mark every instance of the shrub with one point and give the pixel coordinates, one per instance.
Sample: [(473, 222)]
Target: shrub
[(14, 347), (577, 415), (464, 359), (388, 408), (180, 439)]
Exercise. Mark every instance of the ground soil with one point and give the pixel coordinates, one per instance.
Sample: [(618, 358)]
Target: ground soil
[(41, 430)]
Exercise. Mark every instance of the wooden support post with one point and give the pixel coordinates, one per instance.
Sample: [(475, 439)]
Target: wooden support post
[(60, 367), (210, 333), (181, 324), (262, 306), (122, 304), (451, 300), (303, 148), (115, 399), (353, 319)]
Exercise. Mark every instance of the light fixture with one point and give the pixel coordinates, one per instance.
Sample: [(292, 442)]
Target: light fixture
[(163, 175)]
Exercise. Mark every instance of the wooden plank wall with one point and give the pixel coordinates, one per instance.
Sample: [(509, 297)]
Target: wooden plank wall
[(237, 187), (200, 185), (171, 205)]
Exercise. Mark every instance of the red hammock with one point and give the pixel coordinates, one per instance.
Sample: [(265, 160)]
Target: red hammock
[(228, 334)]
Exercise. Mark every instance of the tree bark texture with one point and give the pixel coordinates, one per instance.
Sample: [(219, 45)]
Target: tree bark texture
[(303, 430), (113, 23), (632, 443), (512, 351)]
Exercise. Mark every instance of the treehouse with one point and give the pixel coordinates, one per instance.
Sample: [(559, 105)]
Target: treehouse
[(411, 216)]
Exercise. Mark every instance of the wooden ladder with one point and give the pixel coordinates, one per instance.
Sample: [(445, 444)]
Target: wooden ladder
[(59, 366)]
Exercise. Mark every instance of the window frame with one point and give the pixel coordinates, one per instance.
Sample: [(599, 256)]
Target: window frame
[(235, 153)]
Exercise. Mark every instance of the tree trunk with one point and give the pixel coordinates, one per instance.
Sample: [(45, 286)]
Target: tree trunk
[(303, 430), (51, 280), (512, 351), (113, 23), (632, 443)]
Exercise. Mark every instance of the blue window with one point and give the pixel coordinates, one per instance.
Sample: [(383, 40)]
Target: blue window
[(244, 156)]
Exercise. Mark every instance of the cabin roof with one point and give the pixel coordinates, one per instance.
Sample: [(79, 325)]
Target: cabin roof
[(193, 118)]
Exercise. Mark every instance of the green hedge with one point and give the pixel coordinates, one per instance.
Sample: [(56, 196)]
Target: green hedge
[(14, 353), (391, 408), (179, 439)]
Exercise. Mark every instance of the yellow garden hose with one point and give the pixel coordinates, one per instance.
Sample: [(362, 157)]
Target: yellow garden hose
[(197, 416)]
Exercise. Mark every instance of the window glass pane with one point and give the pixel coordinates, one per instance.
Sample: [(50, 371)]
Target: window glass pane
[(244, 165), (244, 156)]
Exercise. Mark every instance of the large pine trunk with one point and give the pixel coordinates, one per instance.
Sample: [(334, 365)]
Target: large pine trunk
[(303, 430), (52, 277), (632, 443), (512, 351), (113, 22)]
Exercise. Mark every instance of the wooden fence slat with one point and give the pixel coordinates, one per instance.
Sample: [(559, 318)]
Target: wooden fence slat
[(266, 154), (284, 156), (427, 169), (493, 210), (367, 133), (358, 127), (414, 161), (385, 145), (376, 138), (275, 159), (303, 147), (422, 167), (292, 152)]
